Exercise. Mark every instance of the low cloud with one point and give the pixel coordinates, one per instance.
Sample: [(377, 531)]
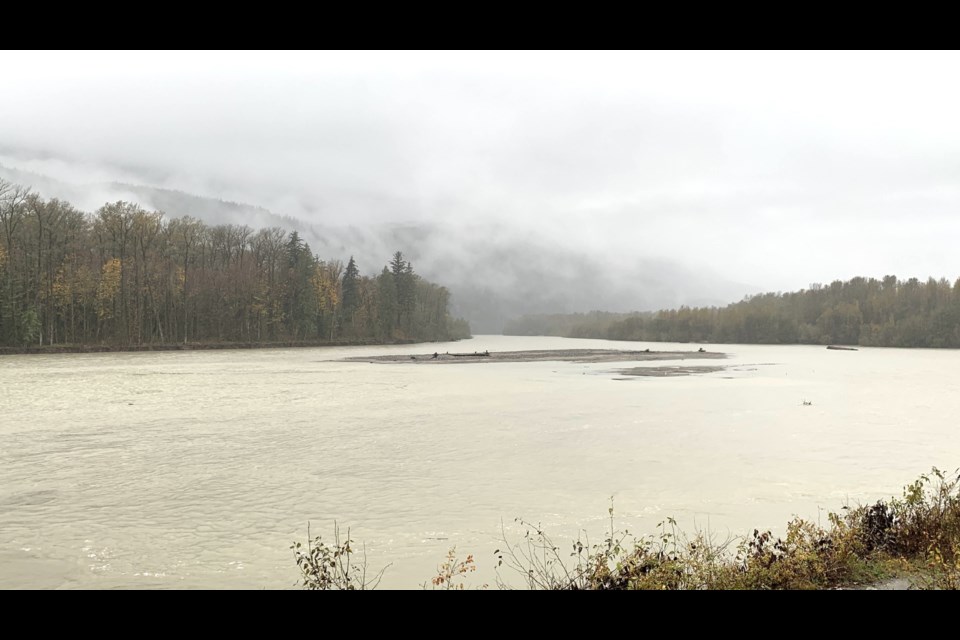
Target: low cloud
[(771, 170)]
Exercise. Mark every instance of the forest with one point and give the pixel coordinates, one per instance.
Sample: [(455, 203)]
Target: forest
[(861, 311), (125, 276)]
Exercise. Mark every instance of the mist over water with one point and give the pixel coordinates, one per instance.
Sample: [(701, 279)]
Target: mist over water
[(658, 178), (198, 469)]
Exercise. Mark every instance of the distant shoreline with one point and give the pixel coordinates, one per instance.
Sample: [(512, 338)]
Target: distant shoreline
[(193, 346)]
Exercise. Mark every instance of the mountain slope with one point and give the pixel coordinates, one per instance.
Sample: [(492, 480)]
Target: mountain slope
[(495, 274)]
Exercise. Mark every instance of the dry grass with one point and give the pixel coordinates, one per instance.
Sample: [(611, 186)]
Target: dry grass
[(917, 534)]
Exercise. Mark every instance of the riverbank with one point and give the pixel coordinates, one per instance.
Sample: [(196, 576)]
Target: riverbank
[(910, 542), (192, 346)]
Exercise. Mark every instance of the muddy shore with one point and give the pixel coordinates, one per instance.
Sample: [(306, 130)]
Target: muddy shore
[(550, 355)]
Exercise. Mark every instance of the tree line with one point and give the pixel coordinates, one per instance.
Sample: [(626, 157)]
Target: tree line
[(127, 276), (862, 311)]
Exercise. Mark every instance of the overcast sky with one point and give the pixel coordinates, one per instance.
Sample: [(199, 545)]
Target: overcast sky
[(771, 169)]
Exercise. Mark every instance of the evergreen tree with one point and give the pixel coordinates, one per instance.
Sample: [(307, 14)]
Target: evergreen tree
[(351, 290)]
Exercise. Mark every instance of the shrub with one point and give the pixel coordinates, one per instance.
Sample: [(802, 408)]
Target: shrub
[(920, 530), (328, 567)]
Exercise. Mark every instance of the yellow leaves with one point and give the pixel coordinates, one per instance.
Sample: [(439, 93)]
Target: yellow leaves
[(109, 287), (84, 284), (326, 285)]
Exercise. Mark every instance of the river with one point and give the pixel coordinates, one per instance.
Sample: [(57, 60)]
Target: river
[(198, 469)]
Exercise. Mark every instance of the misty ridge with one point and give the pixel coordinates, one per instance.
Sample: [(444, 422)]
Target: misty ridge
[(526, 183), (126, 277), (494, 273)]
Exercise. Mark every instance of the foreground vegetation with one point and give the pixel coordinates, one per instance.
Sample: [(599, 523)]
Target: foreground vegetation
[(864, 311), (917, 535), (124, 276)]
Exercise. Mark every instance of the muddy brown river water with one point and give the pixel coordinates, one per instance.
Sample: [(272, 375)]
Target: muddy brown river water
[(198, 469)]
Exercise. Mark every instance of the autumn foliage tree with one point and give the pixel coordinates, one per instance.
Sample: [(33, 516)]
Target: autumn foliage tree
[(128, 276)]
